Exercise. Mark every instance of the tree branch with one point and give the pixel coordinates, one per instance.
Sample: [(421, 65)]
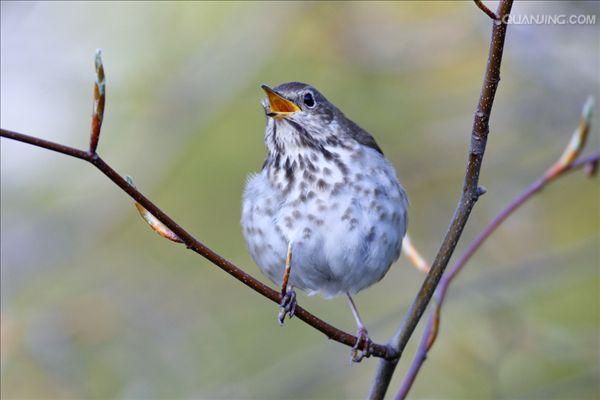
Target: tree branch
[(192, 243), (486, 10), (391, 352), (173, 230), (564, 165), (470, 194)]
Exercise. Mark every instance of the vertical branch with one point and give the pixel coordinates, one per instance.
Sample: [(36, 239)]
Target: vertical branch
[(470, 194), (99, 100), (564, 164)]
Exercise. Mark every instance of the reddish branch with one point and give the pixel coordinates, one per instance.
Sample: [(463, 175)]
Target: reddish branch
[(568, 162), (470, 193), (191, 242), (391, 352), (166, 226)]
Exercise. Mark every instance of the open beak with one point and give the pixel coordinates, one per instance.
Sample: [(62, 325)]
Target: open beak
[(279, 106)]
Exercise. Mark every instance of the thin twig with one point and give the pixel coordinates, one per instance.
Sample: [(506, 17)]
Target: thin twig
[(565, 164), (167, 227), (470, 194), (191, 242), (485, 9)]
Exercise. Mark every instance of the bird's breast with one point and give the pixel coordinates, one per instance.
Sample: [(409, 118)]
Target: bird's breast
[(344, 212)]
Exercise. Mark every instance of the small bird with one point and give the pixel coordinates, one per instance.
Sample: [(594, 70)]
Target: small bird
[(326, 213)]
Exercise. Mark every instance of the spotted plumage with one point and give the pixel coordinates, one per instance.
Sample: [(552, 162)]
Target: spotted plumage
[(327, 191)]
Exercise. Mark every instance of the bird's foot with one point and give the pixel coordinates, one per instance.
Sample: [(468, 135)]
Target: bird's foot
[(363, 347), (287, 306)]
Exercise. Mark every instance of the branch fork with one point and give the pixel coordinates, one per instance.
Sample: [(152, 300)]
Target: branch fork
[(486, 10), (568, 161), (434, 283), (469, 196)]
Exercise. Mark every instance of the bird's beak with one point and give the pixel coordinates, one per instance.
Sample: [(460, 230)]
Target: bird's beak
[(279, 106)]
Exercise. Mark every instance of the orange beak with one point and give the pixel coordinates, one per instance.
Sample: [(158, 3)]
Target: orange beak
[(279, 106)]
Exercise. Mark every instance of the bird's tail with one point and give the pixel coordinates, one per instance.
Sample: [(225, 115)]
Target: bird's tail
[(413, 255)]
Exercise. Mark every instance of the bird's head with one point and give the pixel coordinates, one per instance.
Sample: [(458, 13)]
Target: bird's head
[(301, 120), (298, 115), (294, 100)]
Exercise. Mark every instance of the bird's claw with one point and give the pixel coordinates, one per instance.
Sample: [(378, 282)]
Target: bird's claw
[(357, 354), (287, 306)]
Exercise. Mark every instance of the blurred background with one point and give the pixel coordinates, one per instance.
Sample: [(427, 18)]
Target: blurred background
[(96, 305)]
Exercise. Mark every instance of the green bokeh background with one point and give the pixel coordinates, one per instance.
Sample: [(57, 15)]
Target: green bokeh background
[(95, 305)]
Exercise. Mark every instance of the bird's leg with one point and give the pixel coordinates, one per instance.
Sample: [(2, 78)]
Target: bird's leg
[(288, 297), (362, 336)]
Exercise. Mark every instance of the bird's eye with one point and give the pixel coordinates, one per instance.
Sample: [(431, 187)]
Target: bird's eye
[(309, 100)]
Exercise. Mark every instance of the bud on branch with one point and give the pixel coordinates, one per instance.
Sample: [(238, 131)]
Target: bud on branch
[(577, 142), (99, 100), (154, 223)]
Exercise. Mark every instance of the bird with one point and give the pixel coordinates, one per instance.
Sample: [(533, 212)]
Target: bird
[(326, 214)]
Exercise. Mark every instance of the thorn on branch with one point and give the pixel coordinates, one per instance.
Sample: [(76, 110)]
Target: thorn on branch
[(99, 101), (481, 190), (486, 10), (151, 220)]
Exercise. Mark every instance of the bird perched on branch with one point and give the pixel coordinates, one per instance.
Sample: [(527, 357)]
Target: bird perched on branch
[(326, 214)]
